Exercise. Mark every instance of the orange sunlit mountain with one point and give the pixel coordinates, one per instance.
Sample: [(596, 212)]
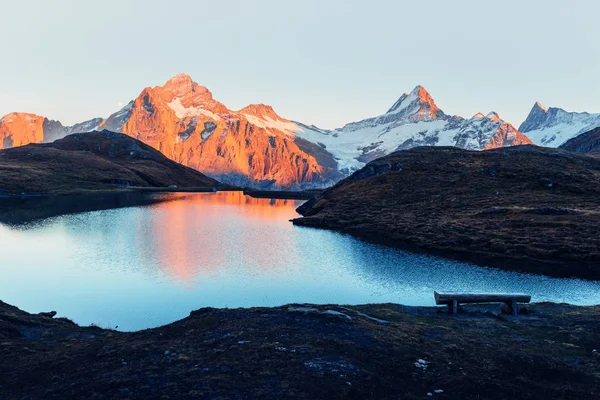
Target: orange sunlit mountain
[(184, 122), (19, 129), (256, 147)]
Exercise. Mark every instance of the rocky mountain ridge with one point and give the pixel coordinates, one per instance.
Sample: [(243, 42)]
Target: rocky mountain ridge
[(552, 127), (256, 147)]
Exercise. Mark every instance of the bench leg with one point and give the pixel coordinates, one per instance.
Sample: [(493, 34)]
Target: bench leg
[(453, 307), (510, 307)]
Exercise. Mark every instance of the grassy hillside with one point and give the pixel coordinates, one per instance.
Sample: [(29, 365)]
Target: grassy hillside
[(98, 161), (527, 208)]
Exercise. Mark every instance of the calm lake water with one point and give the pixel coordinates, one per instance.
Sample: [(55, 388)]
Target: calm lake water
[(141, 267)]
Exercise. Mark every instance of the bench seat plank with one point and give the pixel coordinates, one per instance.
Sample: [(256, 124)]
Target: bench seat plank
[(447, 298)]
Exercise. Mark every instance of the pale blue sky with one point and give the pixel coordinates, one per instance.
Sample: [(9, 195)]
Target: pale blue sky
[(325, 62)]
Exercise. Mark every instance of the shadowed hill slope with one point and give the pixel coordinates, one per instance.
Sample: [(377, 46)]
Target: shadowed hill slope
[(588, 142), (527, 208), (91, 161)]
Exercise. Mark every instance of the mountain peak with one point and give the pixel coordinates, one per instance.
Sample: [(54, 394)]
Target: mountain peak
[(260, 110), (540, 106), (493, 116), (478, 115), (182, 84), (186, 96), (180, 78), (420, 92), (20, 117), (418, 103)]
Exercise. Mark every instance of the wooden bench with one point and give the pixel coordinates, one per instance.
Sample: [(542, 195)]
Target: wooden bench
[(509, 300)]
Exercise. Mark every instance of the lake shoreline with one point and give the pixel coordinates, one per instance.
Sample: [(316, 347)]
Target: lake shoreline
[(17, 209), (497, 261), (523, 208), (119, 190), (283, 194), (309, 351)]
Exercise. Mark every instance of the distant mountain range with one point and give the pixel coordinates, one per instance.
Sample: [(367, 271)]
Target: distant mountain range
[(256, 147)]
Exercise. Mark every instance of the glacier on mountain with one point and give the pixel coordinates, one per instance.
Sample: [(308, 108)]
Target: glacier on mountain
[(413, 120)]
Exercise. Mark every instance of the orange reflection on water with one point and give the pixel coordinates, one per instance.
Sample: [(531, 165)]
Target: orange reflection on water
[(196, 234)]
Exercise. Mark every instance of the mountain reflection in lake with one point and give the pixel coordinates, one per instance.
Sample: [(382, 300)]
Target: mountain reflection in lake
[(140, 267)]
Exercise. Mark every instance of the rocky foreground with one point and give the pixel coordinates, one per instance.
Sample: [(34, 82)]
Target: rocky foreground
[(524, 208), (309, 352)]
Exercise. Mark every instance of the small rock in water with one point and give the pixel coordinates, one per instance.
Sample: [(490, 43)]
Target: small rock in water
[(438, 391), (429, 394)]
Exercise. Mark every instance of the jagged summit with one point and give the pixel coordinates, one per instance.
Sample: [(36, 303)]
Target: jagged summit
[(554, 126), (260, 110), (540, 106), (478, 115), (422, 94), (183, 85), (418, 104), (493, 116), (179, 79)]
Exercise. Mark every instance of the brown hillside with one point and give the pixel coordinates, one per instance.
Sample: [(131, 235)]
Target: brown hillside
[(525, 207), (91, 161)]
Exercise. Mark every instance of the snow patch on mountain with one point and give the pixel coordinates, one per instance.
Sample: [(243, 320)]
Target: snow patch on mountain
[(553, 126), (182, 112), (267, 122), (413, 120)]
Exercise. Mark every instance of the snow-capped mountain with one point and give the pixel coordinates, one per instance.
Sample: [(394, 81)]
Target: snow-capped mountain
[(553, 126), (254, 146), (250, 147), (414, 120)]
